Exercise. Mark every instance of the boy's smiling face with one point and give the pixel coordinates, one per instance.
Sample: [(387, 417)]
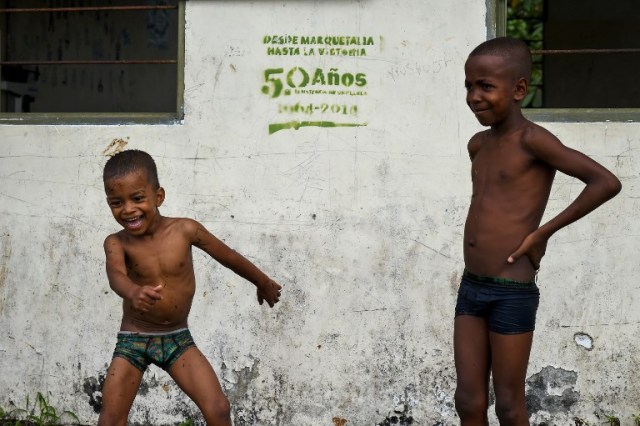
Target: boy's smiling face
[(493, 89), (134, 202)]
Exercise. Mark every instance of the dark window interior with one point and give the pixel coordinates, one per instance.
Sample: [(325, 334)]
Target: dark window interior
[(88, 56)]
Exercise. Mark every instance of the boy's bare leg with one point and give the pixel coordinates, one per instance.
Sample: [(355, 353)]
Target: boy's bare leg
[(118, 392), (195, 376), (509, 369), (473, 360)]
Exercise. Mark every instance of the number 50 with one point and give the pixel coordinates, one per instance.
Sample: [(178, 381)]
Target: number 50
[(273, 84)]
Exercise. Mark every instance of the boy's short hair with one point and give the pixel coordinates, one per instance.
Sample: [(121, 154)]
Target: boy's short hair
[(514, 49), (129, 161)]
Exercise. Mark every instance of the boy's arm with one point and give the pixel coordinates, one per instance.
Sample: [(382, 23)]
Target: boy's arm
[(601, 185), (142, 298), (267, 289)]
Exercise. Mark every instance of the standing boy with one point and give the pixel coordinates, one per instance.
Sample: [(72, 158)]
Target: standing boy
[(513, 164), (149, 264)]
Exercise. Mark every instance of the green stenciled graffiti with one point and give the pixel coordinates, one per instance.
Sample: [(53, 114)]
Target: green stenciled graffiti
[(275, 80), (328, 45), (321, 51), (320, 108), (327, 40), (275, 127), (305, 91)]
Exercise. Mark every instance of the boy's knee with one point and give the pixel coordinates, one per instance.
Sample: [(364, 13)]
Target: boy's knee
[(470, 405), (219, 409), (223, 407), (511, 412)]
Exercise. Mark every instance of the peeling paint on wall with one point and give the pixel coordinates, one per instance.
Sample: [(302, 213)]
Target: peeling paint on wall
[(403, 404), (583, 340), (92, 387), (248, 408), (401, 419), (551, 390), (117, 145)]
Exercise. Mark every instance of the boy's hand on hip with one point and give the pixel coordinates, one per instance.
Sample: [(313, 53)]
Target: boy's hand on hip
[(534, 247), (269, 292), (145, 297)]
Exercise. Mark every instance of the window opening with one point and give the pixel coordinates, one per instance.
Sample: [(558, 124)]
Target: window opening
[(586, 54), (85, 57)]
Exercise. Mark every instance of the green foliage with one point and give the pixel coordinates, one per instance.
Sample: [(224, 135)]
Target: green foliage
[(187, 422), (525, 22), (524, 19), (612, 420), (40, 414), (525, 29), (525, 8)]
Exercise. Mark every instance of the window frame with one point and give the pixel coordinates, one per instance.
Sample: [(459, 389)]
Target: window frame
[(115, 118), (497, 27)]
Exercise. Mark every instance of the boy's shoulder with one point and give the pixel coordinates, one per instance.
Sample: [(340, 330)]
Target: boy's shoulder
[(525, 133), (182, 222), (531, 130), (183, 225), (537, 140), (114, 237)]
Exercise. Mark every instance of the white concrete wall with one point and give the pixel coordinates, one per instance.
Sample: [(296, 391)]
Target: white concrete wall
[(361, 225)]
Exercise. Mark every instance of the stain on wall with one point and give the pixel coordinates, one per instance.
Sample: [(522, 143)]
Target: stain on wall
[(5, 256), (338, 421)]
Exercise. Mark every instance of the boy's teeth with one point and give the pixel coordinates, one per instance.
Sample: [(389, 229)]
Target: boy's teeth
[(134, 223)]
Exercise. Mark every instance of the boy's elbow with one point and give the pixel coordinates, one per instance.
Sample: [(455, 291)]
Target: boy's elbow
[(613, 186), (616, 186)]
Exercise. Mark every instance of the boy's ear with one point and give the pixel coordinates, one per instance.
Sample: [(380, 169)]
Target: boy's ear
[(159, 196), (521, 89)]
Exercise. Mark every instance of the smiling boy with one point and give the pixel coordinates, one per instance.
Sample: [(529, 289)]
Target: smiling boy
[(149, 264), (513, 164)]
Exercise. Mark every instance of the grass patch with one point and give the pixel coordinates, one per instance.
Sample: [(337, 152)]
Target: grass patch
[(40, 413)]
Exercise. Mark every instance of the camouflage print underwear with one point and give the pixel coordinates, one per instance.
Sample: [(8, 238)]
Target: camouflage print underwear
[(142, 349)]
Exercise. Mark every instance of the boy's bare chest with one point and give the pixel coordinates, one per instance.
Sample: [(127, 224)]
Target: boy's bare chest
[(152, 260), (499, 164)]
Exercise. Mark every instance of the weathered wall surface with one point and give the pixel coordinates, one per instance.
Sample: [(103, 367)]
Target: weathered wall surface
[(358, 214)]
